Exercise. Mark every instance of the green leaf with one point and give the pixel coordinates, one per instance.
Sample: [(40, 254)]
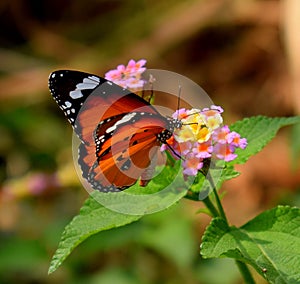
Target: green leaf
[(164, 190), (259, 131), (92, 219), (270, 243), (140, 204), (295, 143), (228, 173), (104, 211)]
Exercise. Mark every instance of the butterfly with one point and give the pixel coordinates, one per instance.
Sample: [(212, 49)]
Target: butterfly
[(120, 132)]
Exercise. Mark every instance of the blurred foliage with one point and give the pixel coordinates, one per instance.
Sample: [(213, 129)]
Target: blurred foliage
[(233, 49)]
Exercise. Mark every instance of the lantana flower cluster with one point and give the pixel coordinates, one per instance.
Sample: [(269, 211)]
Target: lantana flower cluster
[(202, 136), (128, 76)]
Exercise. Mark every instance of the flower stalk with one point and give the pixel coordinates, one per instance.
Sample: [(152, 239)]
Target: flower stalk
[(217, 198), (243, 268)]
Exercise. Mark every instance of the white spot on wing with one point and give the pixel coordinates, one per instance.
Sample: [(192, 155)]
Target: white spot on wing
[(125, 118), (76, 94), (110, 129), (88, 83)]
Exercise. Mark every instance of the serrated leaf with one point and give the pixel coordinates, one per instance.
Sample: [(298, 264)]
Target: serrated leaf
[(104, 211), (259, 131), (92, 219), (162, 192), (228, 173), (137, 204), (270, 243)]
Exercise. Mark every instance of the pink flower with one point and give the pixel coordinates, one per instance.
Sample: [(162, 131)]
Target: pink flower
[(220, 134), (212, 117), (134, 83), (203, 150), (136, 67), (128, 76), (202, 136), (235, 139), (185, 148), (225, 152), (121, 68), (191, 165), (217, 108), (180, 114)]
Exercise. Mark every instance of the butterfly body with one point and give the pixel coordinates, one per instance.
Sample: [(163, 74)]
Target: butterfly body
[(120, 132)]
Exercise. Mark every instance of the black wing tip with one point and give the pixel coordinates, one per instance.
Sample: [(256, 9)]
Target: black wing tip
[(53, 77)]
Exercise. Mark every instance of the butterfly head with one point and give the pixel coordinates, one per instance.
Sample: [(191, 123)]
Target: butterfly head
[(168, 132)]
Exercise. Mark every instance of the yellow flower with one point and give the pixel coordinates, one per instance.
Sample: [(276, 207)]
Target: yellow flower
[(213, 119), (194, 128), (184, 134), (203, 134)]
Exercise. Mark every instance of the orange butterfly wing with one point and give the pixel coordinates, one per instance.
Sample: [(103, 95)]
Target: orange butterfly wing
[(118, 129), (124, 152), (105, 102)]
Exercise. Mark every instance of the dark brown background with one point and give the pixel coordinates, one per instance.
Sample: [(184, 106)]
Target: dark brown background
[(245, 54)]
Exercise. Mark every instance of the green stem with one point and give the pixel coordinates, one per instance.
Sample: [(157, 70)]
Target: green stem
[(243, 268), (211, 207), (218, 201)]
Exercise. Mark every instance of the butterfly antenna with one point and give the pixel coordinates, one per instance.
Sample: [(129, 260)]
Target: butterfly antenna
[(173, 151), (178, 101)]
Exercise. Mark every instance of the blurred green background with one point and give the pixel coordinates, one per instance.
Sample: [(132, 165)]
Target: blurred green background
[(244, 53)]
